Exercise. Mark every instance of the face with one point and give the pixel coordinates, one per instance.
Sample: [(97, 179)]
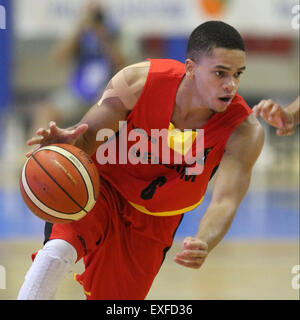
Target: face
[(216, 77)]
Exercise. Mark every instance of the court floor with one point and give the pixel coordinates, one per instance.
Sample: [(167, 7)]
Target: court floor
[(254, 261), (258, 270)]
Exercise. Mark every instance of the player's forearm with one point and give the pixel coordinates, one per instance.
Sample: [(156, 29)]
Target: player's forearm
[(215, 223), (294, 109), (85, 142)]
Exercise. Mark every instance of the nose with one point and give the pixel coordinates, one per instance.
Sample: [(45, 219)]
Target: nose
[(230, 85)]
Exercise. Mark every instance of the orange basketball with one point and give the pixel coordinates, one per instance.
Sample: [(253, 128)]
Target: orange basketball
[(60, 183)]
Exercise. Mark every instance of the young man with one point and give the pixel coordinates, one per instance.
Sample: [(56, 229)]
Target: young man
[(284, 119), (125, 237)]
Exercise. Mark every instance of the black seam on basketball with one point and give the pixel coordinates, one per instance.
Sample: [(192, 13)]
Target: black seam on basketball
[(77, 169), (47, 214), (66, 192), (45, 204)]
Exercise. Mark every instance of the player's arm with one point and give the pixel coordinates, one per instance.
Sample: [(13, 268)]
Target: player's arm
[(294, 110), (231, 185), (119, 97)]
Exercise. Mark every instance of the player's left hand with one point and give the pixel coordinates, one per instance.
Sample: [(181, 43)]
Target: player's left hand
[(193, 254), (276, 116)]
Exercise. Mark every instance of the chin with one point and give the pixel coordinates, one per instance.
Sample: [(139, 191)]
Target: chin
[(220, 109)]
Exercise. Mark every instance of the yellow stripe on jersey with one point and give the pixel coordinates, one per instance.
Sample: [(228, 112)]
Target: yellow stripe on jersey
[(180, 141), (88, 293), (165, 213)]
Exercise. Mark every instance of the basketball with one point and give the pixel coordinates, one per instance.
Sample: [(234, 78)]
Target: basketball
[(60, 183)]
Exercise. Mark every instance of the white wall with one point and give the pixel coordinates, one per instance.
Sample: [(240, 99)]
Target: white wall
[(55, 18)]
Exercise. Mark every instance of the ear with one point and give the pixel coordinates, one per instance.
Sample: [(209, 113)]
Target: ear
[(190, 68)]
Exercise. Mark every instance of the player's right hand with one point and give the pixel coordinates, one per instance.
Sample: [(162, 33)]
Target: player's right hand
[(193, 254), (55, 135)]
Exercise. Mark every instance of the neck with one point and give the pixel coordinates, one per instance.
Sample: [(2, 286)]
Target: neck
[(189, 103)]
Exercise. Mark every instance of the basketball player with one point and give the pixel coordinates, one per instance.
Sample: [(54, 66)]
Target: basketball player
[(124, 238), (284, 119)]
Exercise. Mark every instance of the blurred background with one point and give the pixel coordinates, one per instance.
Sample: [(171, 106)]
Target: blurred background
[(55, 58)]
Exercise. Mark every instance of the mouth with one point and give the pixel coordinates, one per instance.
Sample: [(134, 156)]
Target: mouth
[(226, 98)]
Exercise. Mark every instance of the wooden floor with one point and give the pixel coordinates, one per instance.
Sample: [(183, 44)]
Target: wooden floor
[(234, 270)]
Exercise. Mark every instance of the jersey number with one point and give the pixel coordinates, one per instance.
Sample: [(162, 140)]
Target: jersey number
[(148, 192)]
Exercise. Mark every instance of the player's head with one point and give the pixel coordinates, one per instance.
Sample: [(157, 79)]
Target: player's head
[(215, 61), (210, 35)]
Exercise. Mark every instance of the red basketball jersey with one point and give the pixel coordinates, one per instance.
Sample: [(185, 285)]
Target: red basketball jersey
[(162, 188)]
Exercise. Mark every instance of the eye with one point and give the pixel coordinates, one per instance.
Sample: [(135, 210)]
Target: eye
[(219, 74), (237, 74)]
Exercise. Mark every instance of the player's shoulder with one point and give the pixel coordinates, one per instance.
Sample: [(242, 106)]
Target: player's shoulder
[(128, 83), (247, 139), (136, 72), (250, 127), (250, 123), (239, 101)]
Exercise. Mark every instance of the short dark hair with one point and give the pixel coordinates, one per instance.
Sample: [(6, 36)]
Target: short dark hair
[(210, 35)]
